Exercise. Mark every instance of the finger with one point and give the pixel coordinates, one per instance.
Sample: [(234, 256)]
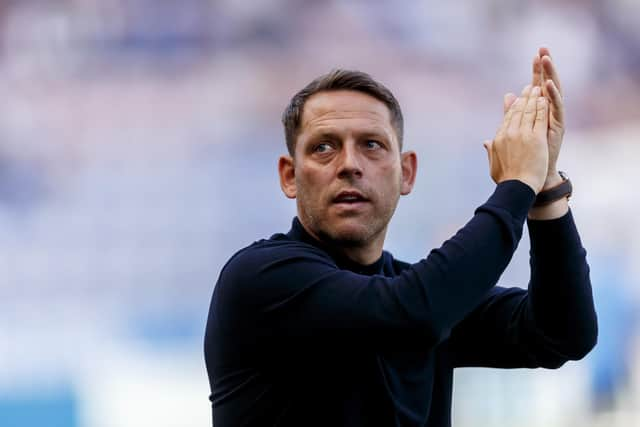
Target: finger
[(508, 101), (530, 111), (542, 51), (536, 71), (518, 108), (556, 103), (507, 117), (549, 71), (487, 146), (542, 116)]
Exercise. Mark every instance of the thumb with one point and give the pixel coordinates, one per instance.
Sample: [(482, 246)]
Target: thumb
[(508, 101), (487, 146)]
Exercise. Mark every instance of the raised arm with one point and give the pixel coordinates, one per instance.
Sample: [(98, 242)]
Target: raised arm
[(554, 321)]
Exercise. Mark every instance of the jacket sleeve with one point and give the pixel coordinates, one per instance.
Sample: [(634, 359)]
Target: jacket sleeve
[(551, 322), (291, 291)]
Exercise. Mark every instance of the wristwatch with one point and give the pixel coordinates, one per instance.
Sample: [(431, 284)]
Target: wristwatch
[(558, 192)]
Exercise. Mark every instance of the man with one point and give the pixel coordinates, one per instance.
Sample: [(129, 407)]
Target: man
[(321, 327)]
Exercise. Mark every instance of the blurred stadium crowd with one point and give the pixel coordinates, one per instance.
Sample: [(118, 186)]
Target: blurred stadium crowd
[(138, 138)]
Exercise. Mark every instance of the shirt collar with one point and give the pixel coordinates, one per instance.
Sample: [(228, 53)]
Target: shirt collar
[(299, 233)]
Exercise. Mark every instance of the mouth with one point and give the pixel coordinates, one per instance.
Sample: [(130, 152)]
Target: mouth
[(348, 198)]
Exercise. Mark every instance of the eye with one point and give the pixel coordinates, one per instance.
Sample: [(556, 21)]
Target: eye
[(372, 144), (323, 147)]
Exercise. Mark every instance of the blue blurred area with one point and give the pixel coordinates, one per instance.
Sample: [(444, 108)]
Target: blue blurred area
[(54, 408), (22, 185), (167, 329), (612, 360), (138, 151)]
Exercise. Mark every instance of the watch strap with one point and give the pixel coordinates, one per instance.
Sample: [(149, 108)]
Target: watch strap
[(564, 189)]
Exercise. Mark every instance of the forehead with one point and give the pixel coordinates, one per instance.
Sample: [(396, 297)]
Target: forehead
[(344, 108)]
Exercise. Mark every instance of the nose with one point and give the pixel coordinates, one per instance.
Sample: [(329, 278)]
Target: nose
[(350, 162)]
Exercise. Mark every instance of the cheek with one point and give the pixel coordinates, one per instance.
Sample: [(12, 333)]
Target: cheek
[(314, 176), (310, 184), (392, 175), (390, 185)]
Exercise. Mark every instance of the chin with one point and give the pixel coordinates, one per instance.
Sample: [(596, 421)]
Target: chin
[(351, 233)]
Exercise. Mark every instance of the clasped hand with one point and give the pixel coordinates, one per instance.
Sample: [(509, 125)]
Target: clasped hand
[(527, 144)]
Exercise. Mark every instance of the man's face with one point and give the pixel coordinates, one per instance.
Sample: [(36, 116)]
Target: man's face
[(348, 168)]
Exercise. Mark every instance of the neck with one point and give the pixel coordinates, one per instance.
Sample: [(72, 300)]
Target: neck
[(364, 253)]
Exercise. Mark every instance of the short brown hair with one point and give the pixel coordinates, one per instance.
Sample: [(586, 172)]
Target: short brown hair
[(339, 80)]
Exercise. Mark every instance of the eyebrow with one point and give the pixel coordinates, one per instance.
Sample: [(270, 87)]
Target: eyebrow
[(324, 135), (376, 134), (369, 133)]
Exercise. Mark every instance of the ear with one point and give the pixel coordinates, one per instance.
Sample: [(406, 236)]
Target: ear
[(409, 163), (287, 172)]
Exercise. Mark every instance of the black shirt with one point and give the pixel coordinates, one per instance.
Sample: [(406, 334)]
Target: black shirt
[(300, 336)]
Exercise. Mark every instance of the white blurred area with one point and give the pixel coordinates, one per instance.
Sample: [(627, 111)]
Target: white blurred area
[(138, 150)]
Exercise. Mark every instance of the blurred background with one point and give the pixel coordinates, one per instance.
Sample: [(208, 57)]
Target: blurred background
[(138, 151)]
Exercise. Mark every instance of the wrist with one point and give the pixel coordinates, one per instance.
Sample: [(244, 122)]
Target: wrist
[(553, 179), (532, 181), (553, 210), (551, 202)]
